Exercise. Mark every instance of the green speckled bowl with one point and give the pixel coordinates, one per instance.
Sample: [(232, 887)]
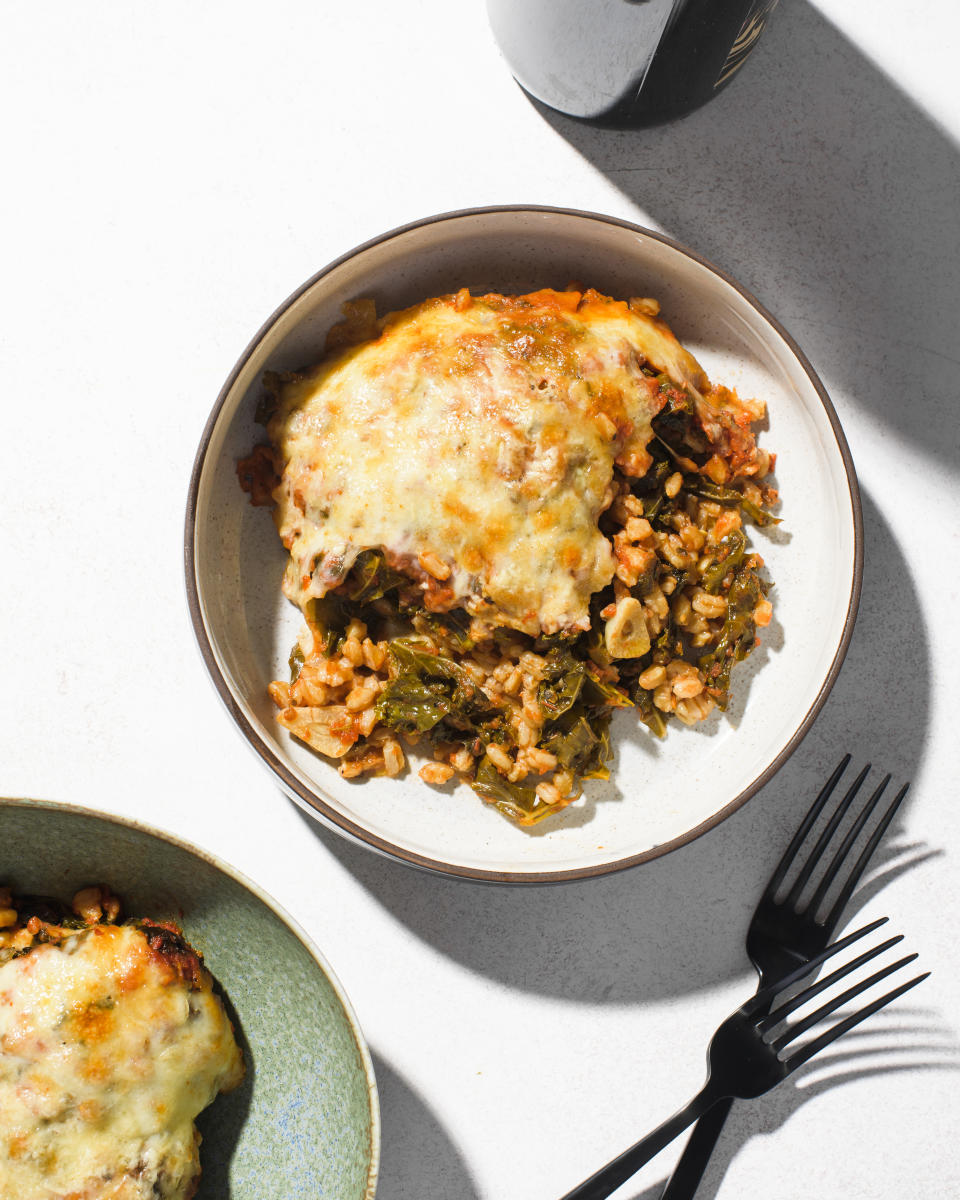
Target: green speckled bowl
[(305, 1122)]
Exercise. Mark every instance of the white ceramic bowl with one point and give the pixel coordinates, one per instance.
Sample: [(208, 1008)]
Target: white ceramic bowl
[(661, 794)]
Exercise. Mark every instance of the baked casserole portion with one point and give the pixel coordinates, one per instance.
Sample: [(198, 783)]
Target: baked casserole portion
[(507, 516), (112, 1040)]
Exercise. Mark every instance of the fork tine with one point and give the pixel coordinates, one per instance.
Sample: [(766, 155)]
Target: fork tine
[(833, 916), (835, 1002), (782, 1011), (761, 1001), (824, 840), (811, 1048), (841, 854), (791, 851)]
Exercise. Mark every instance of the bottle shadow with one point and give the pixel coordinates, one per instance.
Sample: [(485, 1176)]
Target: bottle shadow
[(822, 187), (678, 924)]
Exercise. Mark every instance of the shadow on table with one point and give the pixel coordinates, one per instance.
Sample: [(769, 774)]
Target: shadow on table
[(766, 1116), (417, 1160), (822, 187), (678, 924), (878, 1048)]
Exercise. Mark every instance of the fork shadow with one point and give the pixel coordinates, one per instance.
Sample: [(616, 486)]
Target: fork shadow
[(763, 1117), (889, 864)]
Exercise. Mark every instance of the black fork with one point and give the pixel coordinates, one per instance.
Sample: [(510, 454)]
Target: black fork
[(747, 1053), (787, 933)]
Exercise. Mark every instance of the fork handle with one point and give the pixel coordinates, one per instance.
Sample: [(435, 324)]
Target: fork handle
[(610, 1177), (683, 1183)]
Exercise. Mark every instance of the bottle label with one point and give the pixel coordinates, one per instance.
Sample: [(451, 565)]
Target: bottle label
[(746, 39)]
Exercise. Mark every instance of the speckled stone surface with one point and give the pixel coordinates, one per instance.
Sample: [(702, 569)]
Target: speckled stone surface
[(304, 1122), (175, 171)]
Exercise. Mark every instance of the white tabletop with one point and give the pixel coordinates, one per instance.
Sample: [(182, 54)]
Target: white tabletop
[(172, 172)]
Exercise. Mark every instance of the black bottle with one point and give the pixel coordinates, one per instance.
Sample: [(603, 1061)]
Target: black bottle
[(626, 62)]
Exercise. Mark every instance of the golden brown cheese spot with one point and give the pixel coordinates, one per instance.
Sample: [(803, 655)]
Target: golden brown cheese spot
[(97, 1069), (17, 1146), (109, 1053), (91, 1023), (507, 412), (89, 1110)]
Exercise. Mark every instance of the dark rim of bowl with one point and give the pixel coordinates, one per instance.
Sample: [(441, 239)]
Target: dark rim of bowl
[(363, 1051), (313, 802)]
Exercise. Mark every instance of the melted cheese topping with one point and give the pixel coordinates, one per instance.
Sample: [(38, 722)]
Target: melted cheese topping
[(106, 1056), (474, 441)]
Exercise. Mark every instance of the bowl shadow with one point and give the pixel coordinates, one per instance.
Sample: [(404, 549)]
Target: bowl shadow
[(678, 923), (417, 1158)]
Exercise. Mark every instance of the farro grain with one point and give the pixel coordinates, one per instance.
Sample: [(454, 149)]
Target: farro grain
[(657, 601), (695, 709), (500, 758), (707, 605), (673, 484), (307, 690), (461, 760), (436, 773), (563, 782), (728, 520), (664, 699), (687, 686), (370, 760), (549, 793), (392, 756), (716, 469), (692, 537), (651, 677), (333, 672), (531, 664), (362, 696), (87, 904), (681, 607), (373, 654), (433, 565), (679, 667), (671, 548), (638, 529), (352, 650), (540, 760), (367, 721), (533, 712), (526, 733), (514, 682)]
